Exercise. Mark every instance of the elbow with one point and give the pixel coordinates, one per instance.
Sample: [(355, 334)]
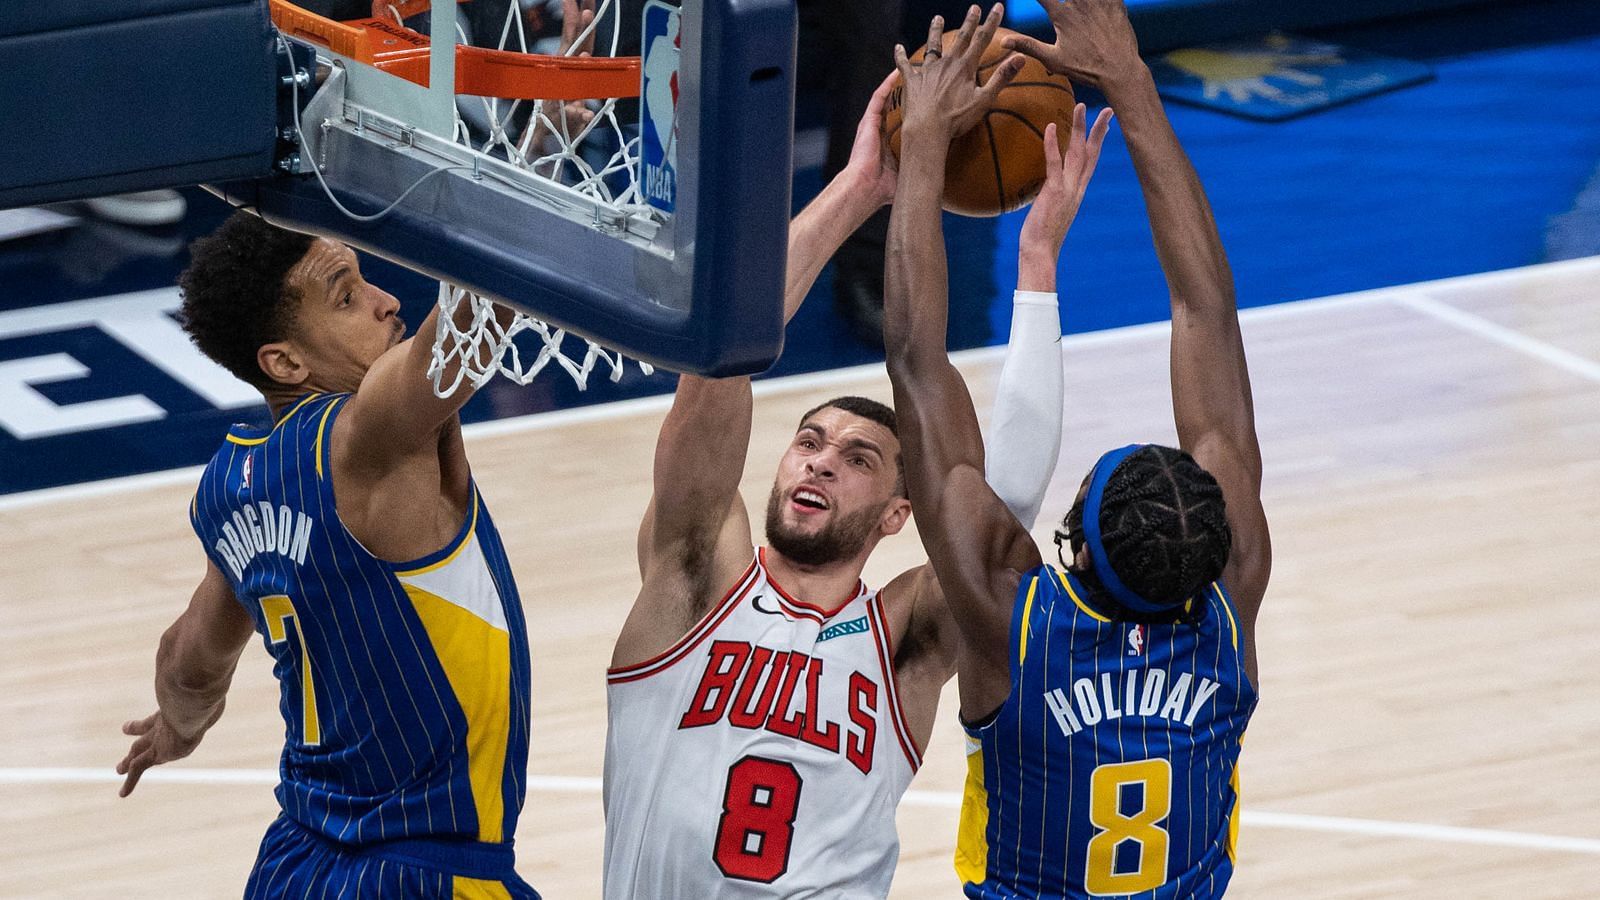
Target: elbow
[(906, 363), (1211, 307), (1212, 290), (897, 352), (896, 323)]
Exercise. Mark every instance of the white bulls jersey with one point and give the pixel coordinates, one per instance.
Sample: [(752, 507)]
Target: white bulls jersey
[(762, 755)]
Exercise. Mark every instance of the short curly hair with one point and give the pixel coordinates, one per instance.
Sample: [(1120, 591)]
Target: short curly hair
[(235, 294)]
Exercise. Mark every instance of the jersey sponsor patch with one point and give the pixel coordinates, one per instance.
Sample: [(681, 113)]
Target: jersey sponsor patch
[(854, 626)]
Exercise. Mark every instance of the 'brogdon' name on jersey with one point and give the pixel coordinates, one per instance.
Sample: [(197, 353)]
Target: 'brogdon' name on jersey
[(403, 685), (762, 755)]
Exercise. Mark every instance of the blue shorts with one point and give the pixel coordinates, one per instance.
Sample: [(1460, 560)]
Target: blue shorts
[(294, 862)]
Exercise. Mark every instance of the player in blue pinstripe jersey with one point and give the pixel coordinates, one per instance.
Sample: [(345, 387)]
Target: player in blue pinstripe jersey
[(1103, 704), (350, 535)]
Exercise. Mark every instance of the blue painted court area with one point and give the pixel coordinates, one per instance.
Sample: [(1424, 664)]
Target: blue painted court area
[(1492, 165)]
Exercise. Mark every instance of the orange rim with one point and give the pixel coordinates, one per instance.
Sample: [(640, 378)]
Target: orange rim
[(409, 8), (479, 71)]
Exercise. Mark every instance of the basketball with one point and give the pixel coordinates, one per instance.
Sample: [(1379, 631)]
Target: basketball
[(998, 166)]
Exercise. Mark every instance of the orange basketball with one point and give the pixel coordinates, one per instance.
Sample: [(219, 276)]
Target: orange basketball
[(998, 166)]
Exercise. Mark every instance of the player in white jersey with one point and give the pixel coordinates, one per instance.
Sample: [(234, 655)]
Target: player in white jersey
[(771, 736), (768, 710)]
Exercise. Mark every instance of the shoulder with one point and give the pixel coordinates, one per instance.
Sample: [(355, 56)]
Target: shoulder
[(309, 424), (1230, 621)]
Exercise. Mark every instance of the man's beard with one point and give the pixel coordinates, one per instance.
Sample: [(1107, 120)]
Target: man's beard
[(840, 539)]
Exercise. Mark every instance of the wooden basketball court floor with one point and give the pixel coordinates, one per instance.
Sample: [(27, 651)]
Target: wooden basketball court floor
[(1430, 715)]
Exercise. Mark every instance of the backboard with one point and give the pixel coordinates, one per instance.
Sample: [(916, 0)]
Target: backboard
[(671, 253), (653, 220)]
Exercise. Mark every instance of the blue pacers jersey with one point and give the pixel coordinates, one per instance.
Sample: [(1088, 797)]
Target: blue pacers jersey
[(404, 686), (1112, 769)]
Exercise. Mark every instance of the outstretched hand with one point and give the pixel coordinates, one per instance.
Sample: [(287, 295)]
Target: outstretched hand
[(569, 117), (1095, 43), (577, 28), (943, 97), (155, 741), (871, 163), (1066, 177)]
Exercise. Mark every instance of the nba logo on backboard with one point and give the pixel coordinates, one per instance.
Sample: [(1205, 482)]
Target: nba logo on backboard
[(1136, 640), (658, 106)]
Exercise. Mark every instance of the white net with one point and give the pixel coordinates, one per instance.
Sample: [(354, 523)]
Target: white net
[(577, 142), (474, 343)]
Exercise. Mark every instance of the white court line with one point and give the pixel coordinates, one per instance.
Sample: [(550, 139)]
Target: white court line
[(1499, 334), (812, 380), (575, 784), (1420, 831)]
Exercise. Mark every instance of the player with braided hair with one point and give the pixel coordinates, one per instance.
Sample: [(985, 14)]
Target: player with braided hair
[(1103, 704), (1164, 524)]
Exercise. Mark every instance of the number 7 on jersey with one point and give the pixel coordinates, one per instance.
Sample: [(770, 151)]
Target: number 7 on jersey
[(278, 611)]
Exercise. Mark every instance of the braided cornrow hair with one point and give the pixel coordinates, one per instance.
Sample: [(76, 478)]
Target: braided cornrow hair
[(1164, 527)]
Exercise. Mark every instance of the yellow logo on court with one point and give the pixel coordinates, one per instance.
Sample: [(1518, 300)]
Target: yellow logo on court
[(1243, 74)]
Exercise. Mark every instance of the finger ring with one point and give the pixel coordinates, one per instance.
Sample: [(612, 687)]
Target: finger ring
[(934, 53)]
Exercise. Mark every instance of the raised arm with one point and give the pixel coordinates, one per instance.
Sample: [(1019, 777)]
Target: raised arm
[(695, 536), (866, 183), (194, 666), (1210, 381), (396, 409), (1024, 438), (976, 546)]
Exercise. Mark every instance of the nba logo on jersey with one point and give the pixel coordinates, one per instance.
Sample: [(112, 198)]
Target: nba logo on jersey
[(658, 106), (245, 470), (1136, 640)]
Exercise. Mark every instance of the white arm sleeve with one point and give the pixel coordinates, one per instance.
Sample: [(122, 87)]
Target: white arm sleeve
[(1025, 431)]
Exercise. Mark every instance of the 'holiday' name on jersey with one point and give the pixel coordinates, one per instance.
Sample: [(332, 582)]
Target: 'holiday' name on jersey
[(1140, 693)]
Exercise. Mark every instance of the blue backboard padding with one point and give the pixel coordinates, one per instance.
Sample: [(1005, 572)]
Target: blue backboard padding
[(59, 15), (745, 186), (166, 93)]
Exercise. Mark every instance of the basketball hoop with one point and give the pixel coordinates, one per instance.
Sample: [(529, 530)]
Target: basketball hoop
[(483, 347), (552, 116)]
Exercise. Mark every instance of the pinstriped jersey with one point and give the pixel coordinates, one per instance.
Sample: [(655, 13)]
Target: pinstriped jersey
[(1112, 769), (762, 755), (403, 686)]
